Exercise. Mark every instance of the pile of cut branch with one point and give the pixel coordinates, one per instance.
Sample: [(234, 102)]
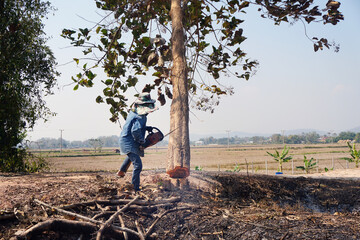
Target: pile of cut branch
[(104, 219)]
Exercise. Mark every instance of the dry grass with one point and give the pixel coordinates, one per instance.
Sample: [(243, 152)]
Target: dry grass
[(251, 158)]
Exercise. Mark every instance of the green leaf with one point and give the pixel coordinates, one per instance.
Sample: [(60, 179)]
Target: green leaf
[(76, 87), (110, 101), (132, 81), (84, 31), (99, 99), (90, 74), (123, 114), (76, 60), (157, 74), (146, 41), (104, 31), (98, 29), (109, 82)]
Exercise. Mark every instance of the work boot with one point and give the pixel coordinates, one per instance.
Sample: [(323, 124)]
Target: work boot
[(120, 174)]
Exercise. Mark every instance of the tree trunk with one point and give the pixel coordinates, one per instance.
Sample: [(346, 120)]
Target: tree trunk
[(179, 143)]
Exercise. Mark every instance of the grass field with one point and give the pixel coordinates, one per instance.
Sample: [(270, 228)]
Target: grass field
[(245, 158)]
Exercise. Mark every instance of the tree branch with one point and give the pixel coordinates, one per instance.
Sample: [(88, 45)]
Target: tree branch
[(112, 218), (84, 218)]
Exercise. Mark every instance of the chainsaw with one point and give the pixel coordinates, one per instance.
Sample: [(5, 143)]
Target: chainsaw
[(153, 137)]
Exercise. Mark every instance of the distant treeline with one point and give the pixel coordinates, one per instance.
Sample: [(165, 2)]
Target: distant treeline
[(100, 142), (304, 138), (113, 141)]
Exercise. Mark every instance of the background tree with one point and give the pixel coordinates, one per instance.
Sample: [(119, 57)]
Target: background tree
[(27, 72), (294, 139), (96, 144), (357, 138), (276, 138), (176, 41), (345, 136), (258, 139), (312, 137)]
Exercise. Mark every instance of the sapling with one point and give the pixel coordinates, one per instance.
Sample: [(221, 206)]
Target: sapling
[(355, 155), (237, 168), (198, 168), (308, 164), (281, 158)]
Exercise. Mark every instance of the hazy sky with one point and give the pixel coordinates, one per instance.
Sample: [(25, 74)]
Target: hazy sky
[(294, 87)]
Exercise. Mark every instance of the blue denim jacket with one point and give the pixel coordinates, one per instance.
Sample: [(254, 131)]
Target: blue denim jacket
[(133, 134)]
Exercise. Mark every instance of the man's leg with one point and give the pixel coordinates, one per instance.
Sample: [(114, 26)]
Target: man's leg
[(124, 167), (136, 160)]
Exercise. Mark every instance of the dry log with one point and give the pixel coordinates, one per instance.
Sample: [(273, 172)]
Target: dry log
[(85, 218), (58, 225), (5, 215), (63, 225), (112, 218)]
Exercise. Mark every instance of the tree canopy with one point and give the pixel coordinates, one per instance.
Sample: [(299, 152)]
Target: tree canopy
[(134, 39), (27, 73), (175, 43)]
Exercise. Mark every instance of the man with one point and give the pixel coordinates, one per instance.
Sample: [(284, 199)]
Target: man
[(132, 137)]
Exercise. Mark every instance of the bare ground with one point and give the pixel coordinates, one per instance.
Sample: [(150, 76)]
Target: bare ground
[(223, 205)]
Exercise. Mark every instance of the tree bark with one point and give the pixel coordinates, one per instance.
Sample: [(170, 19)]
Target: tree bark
[(179, 143)]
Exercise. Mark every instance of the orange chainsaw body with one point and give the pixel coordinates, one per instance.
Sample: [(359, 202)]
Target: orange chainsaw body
[(153, 138)]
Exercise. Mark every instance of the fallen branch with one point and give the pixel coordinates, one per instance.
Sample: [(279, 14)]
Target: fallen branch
[(122, 201), (5, 215), (148, 232), (123, 225), (85, 218), (141, 208), (142, 237), (213, 233), (285, 235), (112, 218), (62, 225)]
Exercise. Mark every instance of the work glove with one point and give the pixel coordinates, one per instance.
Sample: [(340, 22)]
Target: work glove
[(149, 129)]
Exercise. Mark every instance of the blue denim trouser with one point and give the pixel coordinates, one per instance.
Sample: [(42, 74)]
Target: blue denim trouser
[(136, 161)]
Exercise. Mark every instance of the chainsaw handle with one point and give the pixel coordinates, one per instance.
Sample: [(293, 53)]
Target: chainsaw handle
[(152, 128)]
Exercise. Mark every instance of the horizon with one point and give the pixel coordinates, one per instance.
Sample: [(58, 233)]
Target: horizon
[(238, 134)]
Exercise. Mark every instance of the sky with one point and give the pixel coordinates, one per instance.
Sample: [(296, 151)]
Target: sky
[(293, 88)]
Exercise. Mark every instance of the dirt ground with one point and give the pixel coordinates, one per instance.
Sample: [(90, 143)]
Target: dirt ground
[(252, 158), (220, 205)]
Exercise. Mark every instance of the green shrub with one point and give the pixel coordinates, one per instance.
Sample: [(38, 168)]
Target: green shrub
[(20, 160), (308, 164)]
